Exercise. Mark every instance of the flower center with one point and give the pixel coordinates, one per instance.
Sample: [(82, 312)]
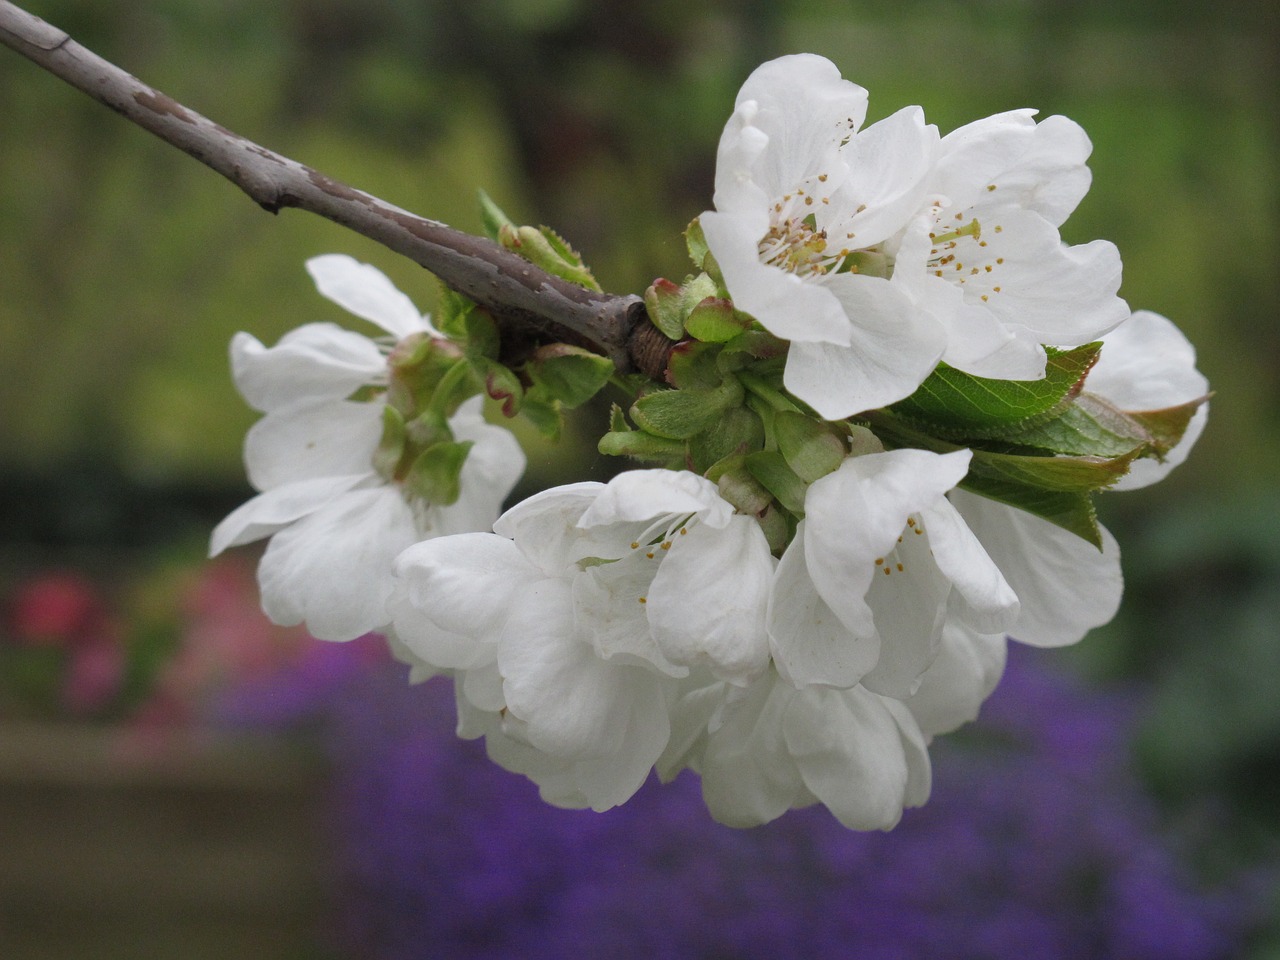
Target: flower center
[(796, 243)]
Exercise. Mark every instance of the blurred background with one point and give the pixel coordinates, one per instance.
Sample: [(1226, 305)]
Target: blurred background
[(1120, 799)]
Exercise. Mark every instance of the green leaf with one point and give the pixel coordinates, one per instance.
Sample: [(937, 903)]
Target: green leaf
[(435, 473), (492, 217), (680, 414), (545, 248), (694, 365), (568, 374), (808, 445), (696, 243), (957, 405), (1090, 426), (1072, 512), (452, 310), (771, 470), (1166, 426), (481, 332), (1066, 474)]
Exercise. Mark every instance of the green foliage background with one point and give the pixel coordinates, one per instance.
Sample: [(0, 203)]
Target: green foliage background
[(125, 267)]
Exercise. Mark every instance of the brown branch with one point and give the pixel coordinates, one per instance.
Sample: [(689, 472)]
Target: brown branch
[(528, 303)]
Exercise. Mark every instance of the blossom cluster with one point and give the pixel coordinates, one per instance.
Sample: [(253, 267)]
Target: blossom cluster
[(893, 391)]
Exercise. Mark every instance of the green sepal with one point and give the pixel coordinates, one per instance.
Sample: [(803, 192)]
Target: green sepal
[(1072, 512), (737, 431), (416, 365), (492, 217), (696, 243), (501, 384), (694, 365), (770, 468), (545, 415), (568, 374), (450, 316), (957, 405), (428, 428), (545, 248), (680, 414), (435, 474), (779, 528), (739, 487), (808, 445), (386, 458), (640, 445), (714, 320), (480, 332)]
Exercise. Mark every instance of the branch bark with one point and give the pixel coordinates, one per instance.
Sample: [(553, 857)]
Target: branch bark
[(529, 304)]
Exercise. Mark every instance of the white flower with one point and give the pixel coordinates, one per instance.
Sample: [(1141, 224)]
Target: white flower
[(585, 606), (1147, 364), (771, 748), (986, 259), (881, 561), (335, 523), (800, 191)]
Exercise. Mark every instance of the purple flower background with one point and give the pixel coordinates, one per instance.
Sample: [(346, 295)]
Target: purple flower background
[(1039, 842)]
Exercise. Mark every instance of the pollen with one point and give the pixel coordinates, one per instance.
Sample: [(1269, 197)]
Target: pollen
[(900, 568), (666, 545), (886, 571), (644, 599), (990, 187), (683, 531), (649, 555), (822, 178), (808, 201), (879, 561), (635, 545)]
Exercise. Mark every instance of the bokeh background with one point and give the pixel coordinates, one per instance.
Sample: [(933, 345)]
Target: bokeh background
[(125, 268)]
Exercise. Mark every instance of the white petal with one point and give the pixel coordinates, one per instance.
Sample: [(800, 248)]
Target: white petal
[(638, 495), (809, 642), (1065, 585), (888, 165), (988, 602), (803, 105), (966, 670), (453, 595), (708, 601), (573, 704), (1037, 167), (1061, 294), (856, 514), (307, 440), (789, 306), (278, 507), (318, 361), (546, 524), (365, 291), (332, 569), (849, 748), (892, 348), (748, 776), (611, 602)]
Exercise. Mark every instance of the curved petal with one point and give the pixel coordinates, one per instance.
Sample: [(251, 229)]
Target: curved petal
[(365, 291), (966, 670), (849, 748), (748, 775), (610, 603), (1065, 585), (888, 162), (1039, 167), (318, 361), (809, 642), (332, 569), (307, 440), (453, 595), (892, 348), (805, 108), (545, 525), (985, 597), (276, 508), (709, 599)]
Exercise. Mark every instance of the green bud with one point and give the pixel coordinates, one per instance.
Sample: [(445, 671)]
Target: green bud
[(741, 489), (641, 445), (680, 414), (770, 468), (569, 374), (492, 218), (386, 458), (714, 320), (545, 248)]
